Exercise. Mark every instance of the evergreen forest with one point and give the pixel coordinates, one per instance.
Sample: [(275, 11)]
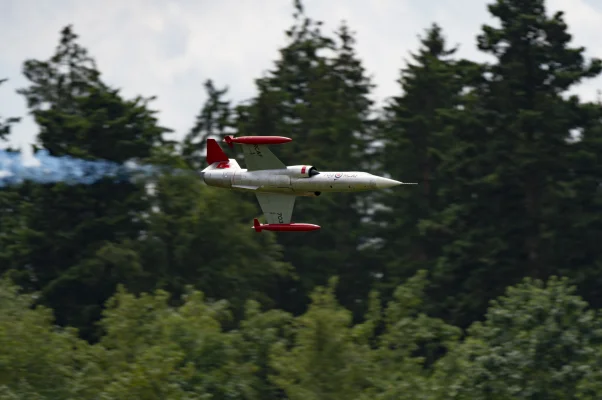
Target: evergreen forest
[(484, 281)]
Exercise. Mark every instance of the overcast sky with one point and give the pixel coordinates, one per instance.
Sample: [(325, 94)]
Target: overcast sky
[(169, 48)]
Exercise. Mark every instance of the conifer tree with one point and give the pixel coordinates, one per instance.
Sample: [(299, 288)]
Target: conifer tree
[(507, 214), (416, 138), (6, 123), (318, 95), (74, 242), (214, 119)]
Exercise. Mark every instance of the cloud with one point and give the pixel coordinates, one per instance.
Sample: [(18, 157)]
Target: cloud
[(168, 48)]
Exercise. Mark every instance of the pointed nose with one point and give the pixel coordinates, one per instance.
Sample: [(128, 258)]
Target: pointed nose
[(384, 183)]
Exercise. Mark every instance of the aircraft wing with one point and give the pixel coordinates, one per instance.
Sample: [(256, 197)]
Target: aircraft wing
[(277, 208), (258, 157)]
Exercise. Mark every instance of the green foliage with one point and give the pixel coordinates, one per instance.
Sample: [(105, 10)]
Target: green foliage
[(258, 334), (511, 169), (330, 357), (324, 361), (75, 240), (580, 199), (79, 242), (417, 136), (537, 342), (37, 359), (153, 351), (317, 94), (409, 342), (214, 119), (186, 244)]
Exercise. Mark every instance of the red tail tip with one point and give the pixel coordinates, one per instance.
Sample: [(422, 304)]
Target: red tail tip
[(256, 225)]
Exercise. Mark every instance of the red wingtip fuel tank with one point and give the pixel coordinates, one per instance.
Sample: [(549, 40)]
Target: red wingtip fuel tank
[(256, 140), (284, 227)]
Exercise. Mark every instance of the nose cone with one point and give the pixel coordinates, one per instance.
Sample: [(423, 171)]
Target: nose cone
[(384, 183)]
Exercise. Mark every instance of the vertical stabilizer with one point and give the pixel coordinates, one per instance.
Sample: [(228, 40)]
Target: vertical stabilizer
[(215, 153)]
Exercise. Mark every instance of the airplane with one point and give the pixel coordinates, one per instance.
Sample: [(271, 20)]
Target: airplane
[(276, 185)]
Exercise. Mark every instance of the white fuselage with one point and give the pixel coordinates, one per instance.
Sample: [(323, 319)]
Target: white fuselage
[(290, 181)]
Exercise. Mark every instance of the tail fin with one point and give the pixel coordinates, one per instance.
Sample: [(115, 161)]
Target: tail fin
[(214, 152)]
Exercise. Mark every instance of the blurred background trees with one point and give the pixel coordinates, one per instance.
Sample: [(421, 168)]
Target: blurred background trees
[(481, 282)]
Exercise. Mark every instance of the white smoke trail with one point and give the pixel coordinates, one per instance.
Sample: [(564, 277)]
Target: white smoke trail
[(44, 168)]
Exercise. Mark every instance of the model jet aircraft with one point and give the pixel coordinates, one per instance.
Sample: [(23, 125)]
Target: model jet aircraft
[(277, 185)]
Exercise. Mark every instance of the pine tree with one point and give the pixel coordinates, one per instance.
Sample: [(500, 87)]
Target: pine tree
[(318, 96), (74, 242), (214, 119), (416, 138), (200, 236), (6, 123), (578, 220), (504, 218), (9, 197)]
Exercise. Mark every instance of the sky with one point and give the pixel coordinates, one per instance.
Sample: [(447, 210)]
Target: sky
[(169, 48)]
